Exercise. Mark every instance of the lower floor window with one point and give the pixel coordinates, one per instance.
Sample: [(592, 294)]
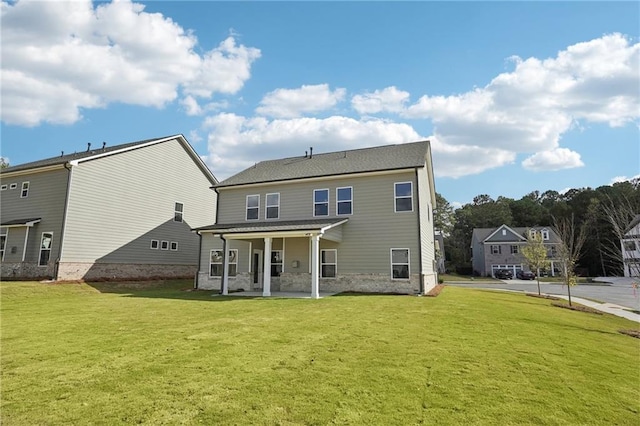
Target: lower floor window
[(400, 264), (276, 263), (45, 248), (3, 243), (328, 263), (216, 264)]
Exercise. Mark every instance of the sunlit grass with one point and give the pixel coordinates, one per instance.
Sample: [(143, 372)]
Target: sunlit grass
[(78, 354)]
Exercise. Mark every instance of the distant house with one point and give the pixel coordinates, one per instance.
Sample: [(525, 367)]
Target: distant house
[(501, 248), (357, 220), (630, 245), (122, 211)]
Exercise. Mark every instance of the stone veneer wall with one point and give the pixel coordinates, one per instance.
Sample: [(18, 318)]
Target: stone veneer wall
[(106, 271), (25, 270), (242, 281), (374, 283)]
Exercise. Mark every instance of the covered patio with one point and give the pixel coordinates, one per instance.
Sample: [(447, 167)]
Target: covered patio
[(266, 232)]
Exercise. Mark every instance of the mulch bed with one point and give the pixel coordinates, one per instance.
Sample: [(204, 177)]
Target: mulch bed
[(435, 291), (543, 296), (632, 333), (577, 308)]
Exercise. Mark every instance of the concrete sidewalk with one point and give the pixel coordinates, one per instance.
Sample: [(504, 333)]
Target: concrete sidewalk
[(609, 308)]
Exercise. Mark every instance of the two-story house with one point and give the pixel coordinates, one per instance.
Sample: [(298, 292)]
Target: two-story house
[(630, 245), (501, 248), (122, 211), (356, 220)]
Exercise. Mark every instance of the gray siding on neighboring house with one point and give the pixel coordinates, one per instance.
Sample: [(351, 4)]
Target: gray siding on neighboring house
[(427, 234), (119, 203), (371, 231), (45, 200)]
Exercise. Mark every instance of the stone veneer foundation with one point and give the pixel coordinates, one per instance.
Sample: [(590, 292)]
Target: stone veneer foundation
[(68, 271)]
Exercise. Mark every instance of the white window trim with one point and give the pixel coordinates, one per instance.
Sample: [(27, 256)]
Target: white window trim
[(3, 187), (498, 247), (267, 205), (322, 202), (516, 247), (344, 201), (175, 210), (40, 251), (3, 248), (395, 197), (408, 262), (171, 244), (157, 245), (13, 186), (164, 245), (222, 263), (325, 263), (545, 234), (246, 208), (23, 189), (281, 263)]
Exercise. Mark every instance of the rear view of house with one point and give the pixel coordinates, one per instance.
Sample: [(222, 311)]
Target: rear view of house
[(630, 245), (122, 211), (357, 220)]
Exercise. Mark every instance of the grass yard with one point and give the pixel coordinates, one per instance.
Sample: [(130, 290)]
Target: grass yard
[(107, 354)]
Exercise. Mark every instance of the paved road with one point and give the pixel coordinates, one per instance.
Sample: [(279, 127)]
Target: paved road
[(622, 294)]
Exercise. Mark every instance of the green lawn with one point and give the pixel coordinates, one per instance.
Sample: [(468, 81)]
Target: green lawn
[(81, 354)]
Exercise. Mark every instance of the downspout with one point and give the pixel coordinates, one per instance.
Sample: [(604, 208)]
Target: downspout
[(195, 279), (69, 167), (419, 233)]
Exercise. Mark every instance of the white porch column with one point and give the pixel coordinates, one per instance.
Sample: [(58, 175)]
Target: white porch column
[(266, 284), (225, 267), (26, 240), (315, 261)]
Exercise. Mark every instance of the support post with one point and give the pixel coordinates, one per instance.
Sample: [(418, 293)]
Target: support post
[(225, 267), (26, 240), (315, 262), (266, 284)]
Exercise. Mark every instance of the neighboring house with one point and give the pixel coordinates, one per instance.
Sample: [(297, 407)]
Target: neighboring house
[(630, 245), (440, 254), (501, 248), (123, 211), (357, 220)]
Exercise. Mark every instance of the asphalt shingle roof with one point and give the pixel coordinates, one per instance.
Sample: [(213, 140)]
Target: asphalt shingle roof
[(289, 225), (62, 159), (388, 157)]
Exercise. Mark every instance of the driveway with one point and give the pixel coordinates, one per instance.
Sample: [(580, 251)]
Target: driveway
[(619, 293)]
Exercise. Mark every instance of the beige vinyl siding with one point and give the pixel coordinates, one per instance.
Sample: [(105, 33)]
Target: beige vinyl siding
[(211, 242), (47, 191), (426, 222), (119, 203), (371, 231)]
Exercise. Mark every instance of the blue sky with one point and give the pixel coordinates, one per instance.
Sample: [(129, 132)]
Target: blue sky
[(515, 97)]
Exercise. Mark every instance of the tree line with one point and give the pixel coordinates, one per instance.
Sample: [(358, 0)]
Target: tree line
[(603, 211)]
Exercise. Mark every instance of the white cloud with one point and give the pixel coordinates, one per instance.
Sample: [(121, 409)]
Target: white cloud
[(461, 160), (554, 159), (290, 103), (619, 179), (389, 99), (237, 142), (60, 57), (527, 110), (191, 105)]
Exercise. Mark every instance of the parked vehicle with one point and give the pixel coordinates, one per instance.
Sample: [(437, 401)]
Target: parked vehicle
[(503, 274), (525, 275)]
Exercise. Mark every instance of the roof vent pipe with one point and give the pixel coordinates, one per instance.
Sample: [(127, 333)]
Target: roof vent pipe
[(306, 154), (88, 146), (61, 153), (104, 144), (310, 152)]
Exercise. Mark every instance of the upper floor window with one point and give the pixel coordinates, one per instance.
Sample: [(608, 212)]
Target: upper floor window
[(3, 187), (321, 202), (45, 248), (495, 249), (344, 200), (514, 249), (253, 207), (532, 233), (545, 234), (328, 263), (273, 206), (25, 190), (629, 246), (178, 212), (403, 193), (400, 264), (13, 186)]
